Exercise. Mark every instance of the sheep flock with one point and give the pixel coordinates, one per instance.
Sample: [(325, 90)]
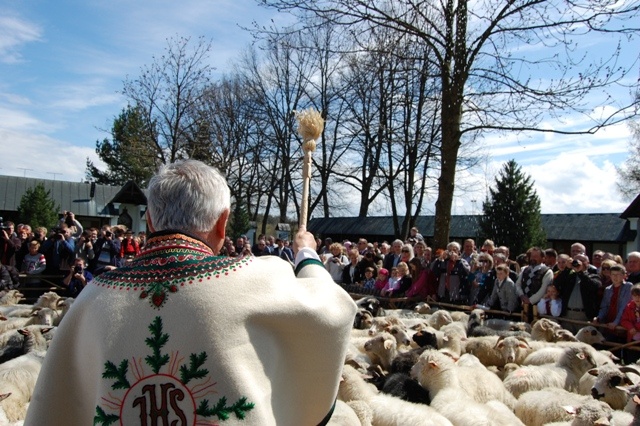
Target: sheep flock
[(407, 367), (434, 367)]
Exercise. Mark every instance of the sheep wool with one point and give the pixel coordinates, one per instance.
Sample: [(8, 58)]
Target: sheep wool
[(180, 336)]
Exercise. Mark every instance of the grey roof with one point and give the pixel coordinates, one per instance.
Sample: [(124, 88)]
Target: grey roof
[(608, 227), (71, 196)]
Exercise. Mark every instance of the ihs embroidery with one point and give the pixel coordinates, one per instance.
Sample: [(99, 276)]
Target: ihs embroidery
[(172, 393)]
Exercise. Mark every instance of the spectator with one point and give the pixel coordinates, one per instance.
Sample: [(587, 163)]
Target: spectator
[(25, 236), (362, 246), (406, 253), (383, 279), (351, 274), (369, 282), (403, 283), (551, 259), (503, 294), (564, 262), (422, 281), (414, 236), (577, 248), (533, 280), (579, 292), (335, 262), (393, 283), (77, 279), (393, 258), (418, 251), (34, 262), (488, 247), (605, 277), (478, 277), (9, 243), (282, 251), (615, 299), (326, 248), (631, 315), (84, 247), (551, 303), (598, 257), (260, 249), (452, 273), (633, 267), (129, 247), (469, 251), (107, 252), (59, 249)]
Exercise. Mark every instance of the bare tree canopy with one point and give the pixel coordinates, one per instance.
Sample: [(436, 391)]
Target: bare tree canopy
[(501, 65)]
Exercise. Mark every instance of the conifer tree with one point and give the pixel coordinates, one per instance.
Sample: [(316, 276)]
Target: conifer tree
[(37, 208), (512, 211), (239, 220)]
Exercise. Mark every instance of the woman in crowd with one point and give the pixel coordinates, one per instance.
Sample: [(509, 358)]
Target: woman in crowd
[(351, 274), (336, 261)]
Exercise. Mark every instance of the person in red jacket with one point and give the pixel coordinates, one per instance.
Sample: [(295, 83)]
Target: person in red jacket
[(129, 247), (631, 315)]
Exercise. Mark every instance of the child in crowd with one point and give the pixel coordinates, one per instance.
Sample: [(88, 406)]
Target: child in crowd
[(369, 279), (34, 262), (404, 281), (631, 315), (550, 304), (383, 279), (393, 283)]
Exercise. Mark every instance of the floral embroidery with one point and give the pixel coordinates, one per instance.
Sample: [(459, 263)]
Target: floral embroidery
[(167, 263), (163, 397)]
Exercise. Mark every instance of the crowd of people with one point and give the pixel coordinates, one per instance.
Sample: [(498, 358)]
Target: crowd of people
[(68, 251), (601, 289), (571, 286)]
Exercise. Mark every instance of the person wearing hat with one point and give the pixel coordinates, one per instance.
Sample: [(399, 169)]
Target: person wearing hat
[(182, 336)]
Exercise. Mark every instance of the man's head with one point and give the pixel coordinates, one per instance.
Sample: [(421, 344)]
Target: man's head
[(192, 197), (534, 255), (577, 248), (550, 257), (397, 247), (469, 246), (563, 261), (633, 262), (598, 257), (362, 244)]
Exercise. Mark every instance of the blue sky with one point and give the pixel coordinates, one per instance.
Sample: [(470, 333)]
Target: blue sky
[(62, 64)]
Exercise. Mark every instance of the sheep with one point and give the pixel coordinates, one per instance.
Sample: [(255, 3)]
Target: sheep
[(551, 354), (506, 325), (590, 335), (400, 334), (363, 320), (387, 410), (595, 413), (31, 339), (18, 377), (566, 373), (497, 351), (602, 383), (369, 303), (43, 316), (460, 316), (382, 323), (363, 411), (468, 401), (46, 300), (383, 348), (422, 308), (428, 336), (403, 362), (544, 329), (539, 407), (439, 319), (11, 297), (435, 371), (402, 386)]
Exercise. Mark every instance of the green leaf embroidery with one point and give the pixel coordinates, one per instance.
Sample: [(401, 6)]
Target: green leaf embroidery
[(192, 372), (222, 411), (118, 373), (104, 419), (156, 342)]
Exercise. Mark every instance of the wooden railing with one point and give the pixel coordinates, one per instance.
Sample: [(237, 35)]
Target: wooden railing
[(46, 283)]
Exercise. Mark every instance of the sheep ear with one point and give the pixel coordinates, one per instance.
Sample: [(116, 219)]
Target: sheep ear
[(593, 371), (24, 331), (602, 421), (3, 318), (5, 396), (433, 364), (44, 330), (581, 355), (570, 409), (388, 344)]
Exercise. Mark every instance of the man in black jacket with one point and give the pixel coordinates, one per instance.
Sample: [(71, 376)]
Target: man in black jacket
[(579, 293)]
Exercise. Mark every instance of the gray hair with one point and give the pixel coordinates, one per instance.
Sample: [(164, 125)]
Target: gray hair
[(454, 244), (187, 196)]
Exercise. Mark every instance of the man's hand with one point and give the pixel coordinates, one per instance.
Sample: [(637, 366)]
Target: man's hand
[(304, 239)]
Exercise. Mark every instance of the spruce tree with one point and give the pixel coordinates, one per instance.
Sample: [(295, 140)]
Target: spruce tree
[(239, 220), (512, 211), (37, 208)]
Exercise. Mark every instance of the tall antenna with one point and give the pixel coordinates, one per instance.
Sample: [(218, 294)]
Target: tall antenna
[(24, 170)]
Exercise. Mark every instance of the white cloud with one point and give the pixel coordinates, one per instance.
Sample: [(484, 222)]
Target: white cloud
[(44, 157), (14, 33)]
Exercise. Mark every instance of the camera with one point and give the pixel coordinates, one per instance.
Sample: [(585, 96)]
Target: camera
[(108, 234), (77, 269), (2, 225)]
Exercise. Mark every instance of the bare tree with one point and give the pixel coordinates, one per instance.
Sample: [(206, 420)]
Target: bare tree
[(169, 95), (490, 78)]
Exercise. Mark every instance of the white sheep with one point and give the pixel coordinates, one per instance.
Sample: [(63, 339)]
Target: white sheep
[(455, 396), (23, 341), (603, 383), (18, 377), (590, 335), (46, 300), (343, 415), (382, 349), (422, 308), (498, 351), (566, 373), (544, 329), (539, 407), (387, 410), (11, 297), (42, 316), (436, 371)]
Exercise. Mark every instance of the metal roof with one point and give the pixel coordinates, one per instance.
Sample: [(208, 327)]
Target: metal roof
[(71, 196), (606, 227)]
